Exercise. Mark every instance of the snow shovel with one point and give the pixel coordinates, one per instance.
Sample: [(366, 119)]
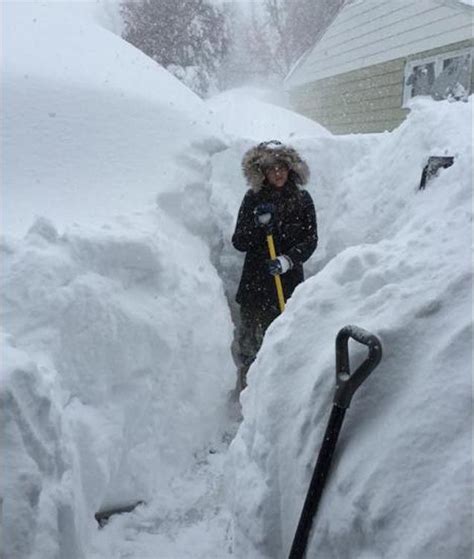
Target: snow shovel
[(278, 285), (346, 385), (435, 163), (103, 516)]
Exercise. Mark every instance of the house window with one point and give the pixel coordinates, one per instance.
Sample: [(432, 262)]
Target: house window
[(445, 76), (421, 79)]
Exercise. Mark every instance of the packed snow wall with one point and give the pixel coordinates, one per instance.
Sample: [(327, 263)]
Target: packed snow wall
[(114, 370), (396, 261), (112, 360)]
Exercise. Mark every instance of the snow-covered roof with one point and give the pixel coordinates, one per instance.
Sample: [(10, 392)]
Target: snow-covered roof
[(369, 32)]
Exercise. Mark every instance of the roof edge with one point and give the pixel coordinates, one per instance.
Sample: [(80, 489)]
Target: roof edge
[(456, 4), (318, 38)]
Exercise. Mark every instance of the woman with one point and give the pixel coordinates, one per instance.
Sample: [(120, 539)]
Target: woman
[(276, 202)]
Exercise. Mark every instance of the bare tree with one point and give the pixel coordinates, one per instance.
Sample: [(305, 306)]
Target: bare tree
[(187, 37), (287, 29)]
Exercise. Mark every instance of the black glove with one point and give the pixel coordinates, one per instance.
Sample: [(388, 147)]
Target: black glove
[(264, 215), (279, 265)]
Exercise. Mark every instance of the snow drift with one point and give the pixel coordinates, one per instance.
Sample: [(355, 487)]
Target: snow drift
[(396, 262), (253, 114), (91, 127), (111, 354)]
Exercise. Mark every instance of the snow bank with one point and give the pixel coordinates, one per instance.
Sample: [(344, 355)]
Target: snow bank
[(35, 482), (91, 127), (116, 327), (115, 360), (245, 113), (398, 264)]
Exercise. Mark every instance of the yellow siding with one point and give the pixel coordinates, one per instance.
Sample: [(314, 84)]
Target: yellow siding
[(366, 100)]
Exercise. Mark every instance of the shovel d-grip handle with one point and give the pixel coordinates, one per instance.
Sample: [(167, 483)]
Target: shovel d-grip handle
[(346, 382)]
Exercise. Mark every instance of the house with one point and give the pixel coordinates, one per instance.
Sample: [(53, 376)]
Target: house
[(377, 55)]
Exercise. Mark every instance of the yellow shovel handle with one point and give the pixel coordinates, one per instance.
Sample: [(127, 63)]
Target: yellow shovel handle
[(279, 287)]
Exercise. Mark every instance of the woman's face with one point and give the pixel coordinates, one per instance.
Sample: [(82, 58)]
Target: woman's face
[(277, 175)]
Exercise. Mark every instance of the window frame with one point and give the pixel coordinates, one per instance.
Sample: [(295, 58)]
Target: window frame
[(438, 60)]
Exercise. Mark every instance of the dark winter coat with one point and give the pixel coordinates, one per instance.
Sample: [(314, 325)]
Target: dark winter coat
[(294, 233)]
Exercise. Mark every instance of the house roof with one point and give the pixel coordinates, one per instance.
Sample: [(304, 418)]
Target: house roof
[(368, 32)]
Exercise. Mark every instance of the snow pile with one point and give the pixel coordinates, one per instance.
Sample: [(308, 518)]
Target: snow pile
[(91, 127), (398, 264), (115, 356), (35, 484), (124, 360), (246, 113)]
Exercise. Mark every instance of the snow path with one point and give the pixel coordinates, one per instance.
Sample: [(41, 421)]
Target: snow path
[(189, 521)]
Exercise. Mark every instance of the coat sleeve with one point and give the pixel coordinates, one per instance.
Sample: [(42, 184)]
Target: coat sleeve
[(247, 236), (307, 243)]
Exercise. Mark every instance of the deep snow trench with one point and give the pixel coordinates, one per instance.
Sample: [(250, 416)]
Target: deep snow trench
[(191, 518)]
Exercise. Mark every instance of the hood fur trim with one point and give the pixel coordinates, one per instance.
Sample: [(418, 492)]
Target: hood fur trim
[(270, 153)]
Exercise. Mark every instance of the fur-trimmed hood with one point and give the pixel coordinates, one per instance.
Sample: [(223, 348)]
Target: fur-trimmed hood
[(267, 154)]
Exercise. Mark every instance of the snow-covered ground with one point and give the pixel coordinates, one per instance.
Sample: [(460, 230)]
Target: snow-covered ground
[(116, 359)]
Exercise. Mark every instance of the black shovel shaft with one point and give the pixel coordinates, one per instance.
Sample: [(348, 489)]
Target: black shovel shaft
[(317, 484), (346, 386)]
